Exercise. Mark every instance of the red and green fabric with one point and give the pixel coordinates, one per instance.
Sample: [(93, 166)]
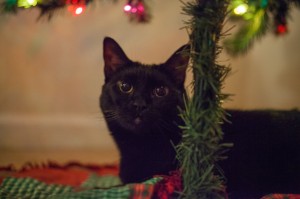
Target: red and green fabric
[(77, 181)]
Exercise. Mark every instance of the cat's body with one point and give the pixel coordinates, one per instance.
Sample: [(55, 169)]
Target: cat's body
[(265, 157), (140, 104)]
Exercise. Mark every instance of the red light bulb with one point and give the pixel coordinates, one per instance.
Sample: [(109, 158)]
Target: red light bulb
[(281, 29), (76, 9)]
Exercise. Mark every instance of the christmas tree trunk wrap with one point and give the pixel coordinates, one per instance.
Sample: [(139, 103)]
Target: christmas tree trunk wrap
[(200, 148)]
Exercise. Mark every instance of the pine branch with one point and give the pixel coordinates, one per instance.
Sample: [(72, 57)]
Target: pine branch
[(138, 12), (200, 149), (251, 31), (256, 22)]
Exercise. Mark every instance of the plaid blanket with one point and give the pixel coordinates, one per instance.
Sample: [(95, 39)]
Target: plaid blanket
[(72, 181), (23, 188), (77, 181)]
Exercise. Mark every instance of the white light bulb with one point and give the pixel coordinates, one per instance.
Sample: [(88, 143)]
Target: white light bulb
[(241, 9)]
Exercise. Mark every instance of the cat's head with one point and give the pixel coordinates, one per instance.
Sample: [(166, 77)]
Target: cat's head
[(139, 97)]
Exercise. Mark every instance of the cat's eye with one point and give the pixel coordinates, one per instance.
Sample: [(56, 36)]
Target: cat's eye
[(161, 91), (125, 87)]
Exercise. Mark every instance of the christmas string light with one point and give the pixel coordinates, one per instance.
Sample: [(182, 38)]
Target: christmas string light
[(76, 7), (280, 21), (27, 3), (137, 10), (246, 10), (256, 15), (240, 9)]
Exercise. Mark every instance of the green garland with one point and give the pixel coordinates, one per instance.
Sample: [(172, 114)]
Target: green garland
[(136, 10), (200, 148), (258, 17)]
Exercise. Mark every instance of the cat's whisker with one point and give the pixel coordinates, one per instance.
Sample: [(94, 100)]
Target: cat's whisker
[(111, 115)]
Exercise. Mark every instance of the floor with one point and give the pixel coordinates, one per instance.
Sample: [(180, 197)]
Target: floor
[(94, 156)]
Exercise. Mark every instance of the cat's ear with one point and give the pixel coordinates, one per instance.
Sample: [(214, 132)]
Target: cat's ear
[(114, 56), (178, 63)]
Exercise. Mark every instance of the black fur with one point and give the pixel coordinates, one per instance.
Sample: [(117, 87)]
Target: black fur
[(265, 157), (143, 125)]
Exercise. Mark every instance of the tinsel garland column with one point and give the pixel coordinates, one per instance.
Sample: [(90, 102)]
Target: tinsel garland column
[(200, 148)]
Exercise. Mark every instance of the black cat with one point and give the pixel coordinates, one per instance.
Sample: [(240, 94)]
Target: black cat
[(140, 103), (141, 106)]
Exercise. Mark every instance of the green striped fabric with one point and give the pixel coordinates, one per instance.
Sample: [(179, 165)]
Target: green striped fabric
[(28, 188), (106, 187), (105, 181)]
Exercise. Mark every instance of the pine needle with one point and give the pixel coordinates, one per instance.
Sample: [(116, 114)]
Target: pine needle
[(200, 148)]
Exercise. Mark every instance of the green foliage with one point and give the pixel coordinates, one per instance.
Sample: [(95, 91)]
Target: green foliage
[(260, 17), (251, 30), (200, 148), (49, 8)]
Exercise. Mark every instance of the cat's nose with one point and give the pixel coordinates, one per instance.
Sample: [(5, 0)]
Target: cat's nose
[(139, 104)]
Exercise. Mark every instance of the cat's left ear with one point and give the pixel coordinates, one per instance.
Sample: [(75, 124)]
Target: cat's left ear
[(178, 63)]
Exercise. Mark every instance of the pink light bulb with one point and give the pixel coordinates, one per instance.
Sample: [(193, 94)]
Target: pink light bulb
[(134, 10), (141, 8)]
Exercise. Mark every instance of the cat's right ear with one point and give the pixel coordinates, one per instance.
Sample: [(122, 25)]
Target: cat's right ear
[(178, 62), (114, 57)]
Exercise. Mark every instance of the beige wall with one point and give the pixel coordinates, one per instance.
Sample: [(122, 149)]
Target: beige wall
[(51, 72), (268, 76)]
